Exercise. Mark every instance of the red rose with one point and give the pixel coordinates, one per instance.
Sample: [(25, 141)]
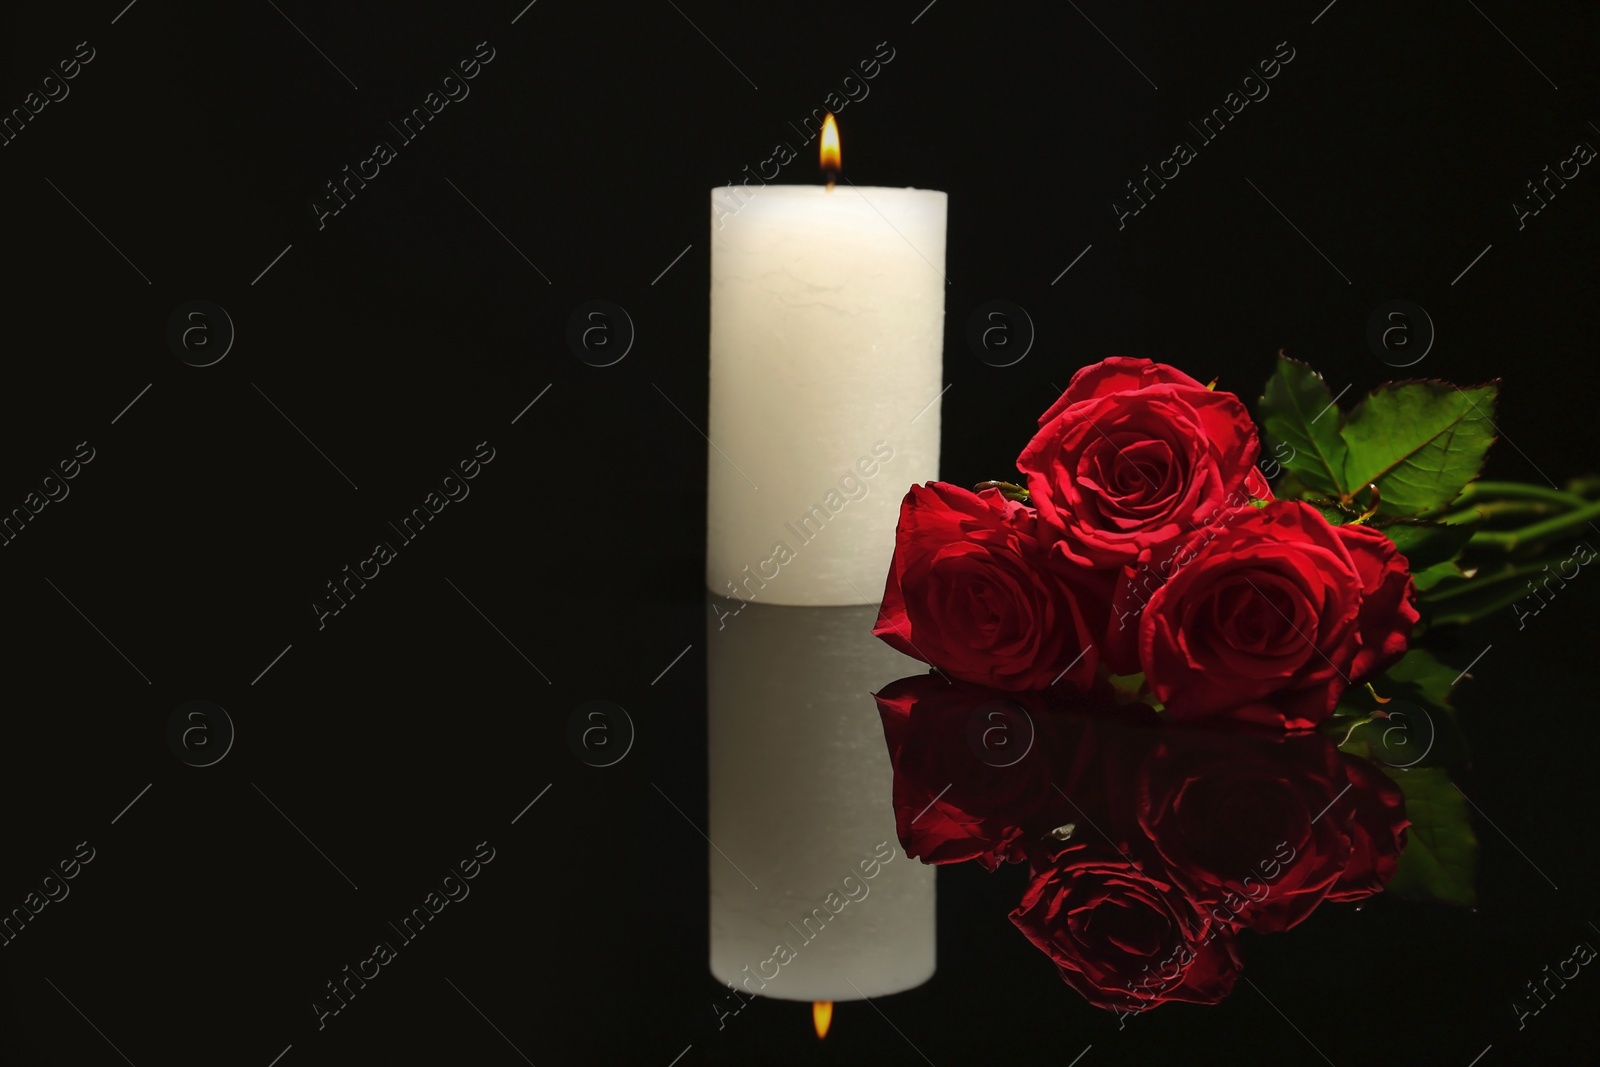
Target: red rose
[(968, 592), (1274, 608), (1256, 485), (1134, 456), (1388, 601), (1123, 939), (1259, 830), (1137, 583)]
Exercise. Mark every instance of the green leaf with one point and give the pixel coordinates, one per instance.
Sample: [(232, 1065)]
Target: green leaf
[(1440, 858), (1127, 688), (1412, 725), (1428, 577), (1426, 543), (1289, 487), (1297, 410), (1336, 513), (1352, 726), (1406, 736), (1419, 674), (1420, 442), (1426, 733), (1354, 740)]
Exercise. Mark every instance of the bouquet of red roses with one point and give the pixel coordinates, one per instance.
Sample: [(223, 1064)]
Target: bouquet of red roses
[(1151, 562)]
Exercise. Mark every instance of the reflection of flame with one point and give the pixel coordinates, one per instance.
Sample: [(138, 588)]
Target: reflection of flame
[(831, 158), (822, 1010)]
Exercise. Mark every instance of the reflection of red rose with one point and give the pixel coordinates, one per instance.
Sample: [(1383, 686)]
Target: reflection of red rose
[(1373, 813), (1275, 608), (1259, 830), (1123, 939), (975, 773), (1151, 845), (968, 592), (1132, 458)]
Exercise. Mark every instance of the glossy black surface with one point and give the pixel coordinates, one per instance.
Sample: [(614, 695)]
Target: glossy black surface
[(381, 748)]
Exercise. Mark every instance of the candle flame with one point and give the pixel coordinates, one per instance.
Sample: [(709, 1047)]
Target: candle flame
[(821, 1016), (831, 156)]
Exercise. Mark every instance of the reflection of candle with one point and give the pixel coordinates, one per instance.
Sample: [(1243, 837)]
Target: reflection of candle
[(811, 897), (827, 334), (821, 1017)]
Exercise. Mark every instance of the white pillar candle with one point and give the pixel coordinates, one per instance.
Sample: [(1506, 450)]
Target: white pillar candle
[(827, 336), (804, 855)]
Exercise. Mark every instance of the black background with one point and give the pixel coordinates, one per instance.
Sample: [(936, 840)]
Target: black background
[(408, 330)]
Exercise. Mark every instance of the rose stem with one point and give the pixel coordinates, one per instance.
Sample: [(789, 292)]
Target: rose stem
[(1518, 491), (1482, 581), (1539, 531)]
